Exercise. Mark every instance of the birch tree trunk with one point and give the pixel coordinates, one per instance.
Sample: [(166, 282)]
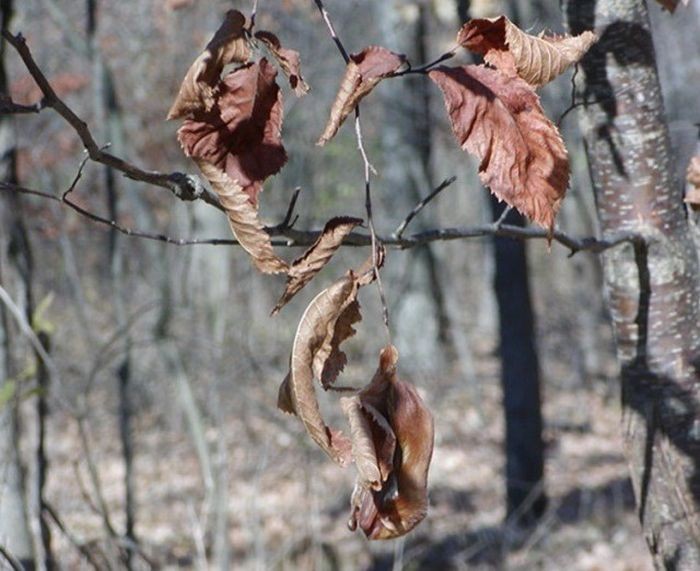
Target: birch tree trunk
[(653, 287)]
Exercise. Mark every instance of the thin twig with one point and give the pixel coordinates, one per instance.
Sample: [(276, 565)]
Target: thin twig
[(81, 547), (7, 106), (368, 169), (299, 238), (425, 68), (184, 186), (502, 218), (331, 29), (421, 205), (253, 13), (11, 559)]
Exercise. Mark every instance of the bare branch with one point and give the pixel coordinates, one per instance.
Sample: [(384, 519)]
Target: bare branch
[(184, 186), (290, 237), (7, 106), (421, 205)]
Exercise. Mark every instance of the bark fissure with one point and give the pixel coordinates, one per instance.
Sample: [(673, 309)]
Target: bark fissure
[(653, 285)]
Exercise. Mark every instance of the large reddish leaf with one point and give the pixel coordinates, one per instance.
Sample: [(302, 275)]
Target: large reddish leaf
[(243, 219), (200, 87), (537, 59), (303, 269), (390, 501), (287, 59), (241, 133), (499, 119), (362, 74)]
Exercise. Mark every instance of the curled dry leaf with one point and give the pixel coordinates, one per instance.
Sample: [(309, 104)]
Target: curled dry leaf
[(536, 59), (199, 89), (362, 74), (243, 218), (241, 134), (499, 119), (287, 59), (389, 501), (326, 323), (303, 269), (692, 195)]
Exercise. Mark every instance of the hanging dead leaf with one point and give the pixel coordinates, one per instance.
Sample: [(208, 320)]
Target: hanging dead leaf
[(537, 59), (200, 87), (243, 219), (500, 120), (373, 443), (241, 134), (325, 324), (388, 503), (287, 59), (303, 269), (692, 195), (362, 74)]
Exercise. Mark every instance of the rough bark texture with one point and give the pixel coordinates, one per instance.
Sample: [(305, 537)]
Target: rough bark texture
[(653, 286)]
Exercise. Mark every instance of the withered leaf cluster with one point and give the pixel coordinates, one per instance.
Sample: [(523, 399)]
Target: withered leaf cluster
[(232, 112)]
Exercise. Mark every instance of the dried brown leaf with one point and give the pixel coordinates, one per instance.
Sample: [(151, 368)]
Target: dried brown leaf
[(287, 59), (243, 219), (537, 59), (363, 443), (326, 323), (402, 501), (692, 195), (671, 5), (362, 74), (241, 134), (303, 269), (314, 330), (499, 119), (200, 87)]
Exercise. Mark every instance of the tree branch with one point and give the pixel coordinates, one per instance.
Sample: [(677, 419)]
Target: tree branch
[(287, 236), (184, 186)]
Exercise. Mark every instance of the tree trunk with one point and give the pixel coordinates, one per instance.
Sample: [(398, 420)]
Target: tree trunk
[(524, 447), (653, 286)]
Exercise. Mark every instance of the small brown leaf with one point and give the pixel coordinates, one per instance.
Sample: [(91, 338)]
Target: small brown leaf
[(499, 119), (671, 5), (402, 500), (692, 194), (537, 59), (241, 133), (303, 269), (243, 219), (362, 74), (287, 59), (199, 89)]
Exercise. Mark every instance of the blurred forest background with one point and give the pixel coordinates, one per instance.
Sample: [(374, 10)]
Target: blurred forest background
[(161, 436)]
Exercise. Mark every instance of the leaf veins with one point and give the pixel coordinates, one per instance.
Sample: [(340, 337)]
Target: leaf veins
[(362, 74), (241, 134), (303, 269), (199, 89), (287, 59), (536, 59), (499, 119), (326, 323)]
